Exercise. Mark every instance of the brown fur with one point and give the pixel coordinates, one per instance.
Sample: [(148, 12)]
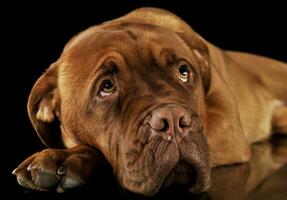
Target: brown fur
[(230, 98)]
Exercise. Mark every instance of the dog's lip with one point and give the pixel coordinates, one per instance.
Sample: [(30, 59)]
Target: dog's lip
[(156, 178), (140, 122), (202, 181), (198, 183), (172, 177)]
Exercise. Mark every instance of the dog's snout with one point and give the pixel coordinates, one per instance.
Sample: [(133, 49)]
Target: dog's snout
[(169, 119)]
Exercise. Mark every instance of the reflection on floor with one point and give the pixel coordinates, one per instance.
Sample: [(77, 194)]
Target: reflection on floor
[(265, 177)]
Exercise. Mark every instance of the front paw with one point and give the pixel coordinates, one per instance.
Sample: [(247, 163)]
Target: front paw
[(56, 169)]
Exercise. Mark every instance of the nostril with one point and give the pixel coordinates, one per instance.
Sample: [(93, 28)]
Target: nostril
[(169, 119), (159, 122), (165, 125), (181, 123), (184, 122)]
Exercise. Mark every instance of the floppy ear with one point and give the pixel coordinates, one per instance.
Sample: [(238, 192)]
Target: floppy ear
[(200, 49), (44, 106)]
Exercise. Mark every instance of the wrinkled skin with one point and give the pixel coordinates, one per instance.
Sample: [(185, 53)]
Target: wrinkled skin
[(142, 62), (146, 79), (157, 101)]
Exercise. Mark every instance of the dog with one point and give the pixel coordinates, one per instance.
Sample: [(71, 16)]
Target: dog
[(160, 103)]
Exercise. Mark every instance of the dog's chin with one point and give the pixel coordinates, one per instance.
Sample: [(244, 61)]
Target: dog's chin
[(180, 163), (182, 177)]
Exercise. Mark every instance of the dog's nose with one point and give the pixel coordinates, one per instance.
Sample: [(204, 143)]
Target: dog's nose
[(168, 120)]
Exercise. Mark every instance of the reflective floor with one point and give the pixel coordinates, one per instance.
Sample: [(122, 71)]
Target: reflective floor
[(265, 177)]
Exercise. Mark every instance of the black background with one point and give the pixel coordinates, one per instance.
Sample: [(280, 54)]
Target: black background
[(34, 34)]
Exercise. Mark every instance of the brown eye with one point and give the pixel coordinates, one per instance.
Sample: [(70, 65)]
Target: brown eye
[(107, 88), (183, 72)]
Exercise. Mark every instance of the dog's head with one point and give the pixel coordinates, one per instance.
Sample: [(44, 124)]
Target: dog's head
[(136, 92)]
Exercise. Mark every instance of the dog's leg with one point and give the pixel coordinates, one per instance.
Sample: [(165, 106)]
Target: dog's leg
[(279, 120), (59, 169)]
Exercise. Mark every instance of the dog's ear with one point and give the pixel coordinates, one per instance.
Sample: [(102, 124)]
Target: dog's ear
[(44, 107), (199, 48)]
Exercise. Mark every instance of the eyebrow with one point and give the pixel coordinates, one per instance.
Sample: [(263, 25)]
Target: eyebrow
[(107, 67), (104, 69), (168, 55), (109, 55), (132, 35)]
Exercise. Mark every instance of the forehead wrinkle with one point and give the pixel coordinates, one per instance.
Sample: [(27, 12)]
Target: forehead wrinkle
[(183, 43), (181, 51), (188, 52), (91, 41), (132, 34), (160, 74), (150, 75), (146, 66)]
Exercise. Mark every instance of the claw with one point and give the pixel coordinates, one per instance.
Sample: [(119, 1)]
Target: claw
[(14, 171), (31, 167)]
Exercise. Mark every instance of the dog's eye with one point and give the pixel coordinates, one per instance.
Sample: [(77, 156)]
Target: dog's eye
[(184, 72), (107, 88)]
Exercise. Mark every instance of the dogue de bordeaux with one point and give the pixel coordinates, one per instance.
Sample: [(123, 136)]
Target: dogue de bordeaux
[(160, 103)]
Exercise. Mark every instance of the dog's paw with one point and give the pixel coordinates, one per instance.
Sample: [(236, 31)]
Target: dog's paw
[(55, 169)]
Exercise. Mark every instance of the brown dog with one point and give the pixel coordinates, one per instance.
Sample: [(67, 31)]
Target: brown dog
[(158, 101)]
